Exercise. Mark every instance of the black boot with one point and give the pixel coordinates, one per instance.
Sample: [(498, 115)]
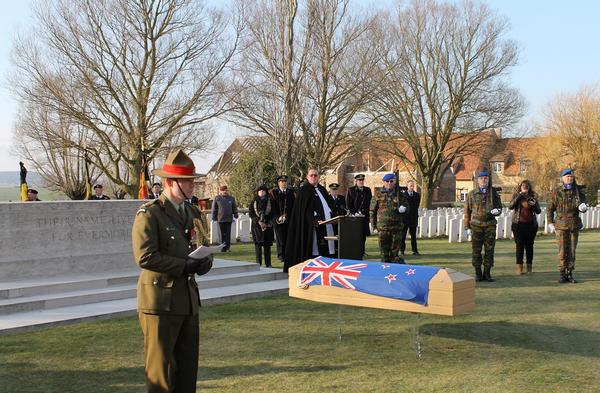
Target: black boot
[(258, 254), (563, 277), (478, 274), (570, 276), (487, 275)]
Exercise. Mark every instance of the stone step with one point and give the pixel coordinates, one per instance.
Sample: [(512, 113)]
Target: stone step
[(79, 281), (77, 296), (34, 320)]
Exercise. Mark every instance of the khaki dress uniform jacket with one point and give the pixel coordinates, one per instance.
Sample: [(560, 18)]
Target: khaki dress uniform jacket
[(168, 299)]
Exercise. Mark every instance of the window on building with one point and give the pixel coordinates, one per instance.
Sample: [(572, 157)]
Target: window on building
[(463, 196), (525, 165), (497, 167)]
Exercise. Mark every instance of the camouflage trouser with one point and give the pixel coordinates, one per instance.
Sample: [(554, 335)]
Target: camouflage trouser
[(567, 243), (483, 237), (389, 244)]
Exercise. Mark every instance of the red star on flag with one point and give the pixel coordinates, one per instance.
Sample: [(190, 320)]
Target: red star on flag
[(384, 266), (390, 277), (410, 272)]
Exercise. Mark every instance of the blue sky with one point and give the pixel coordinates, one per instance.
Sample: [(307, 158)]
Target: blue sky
[(560, 43)]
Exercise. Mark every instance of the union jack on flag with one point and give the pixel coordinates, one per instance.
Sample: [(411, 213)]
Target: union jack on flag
[(397, 281), (319, 272)]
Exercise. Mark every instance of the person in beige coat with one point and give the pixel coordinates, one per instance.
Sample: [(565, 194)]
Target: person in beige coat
[(164, 232)]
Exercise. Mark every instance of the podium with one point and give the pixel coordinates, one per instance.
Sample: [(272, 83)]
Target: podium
[(349, 236)]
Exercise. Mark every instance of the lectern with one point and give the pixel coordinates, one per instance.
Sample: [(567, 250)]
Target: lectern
[(349, 236)]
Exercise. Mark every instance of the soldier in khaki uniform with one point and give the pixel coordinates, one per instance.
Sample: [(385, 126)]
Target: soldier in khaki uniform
[(388, 208), (163, 234), (566, 203), (481, 209)]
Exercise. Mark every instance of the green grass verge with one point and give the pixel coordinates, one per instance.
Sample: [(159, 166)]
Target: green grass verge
[(527, 334)]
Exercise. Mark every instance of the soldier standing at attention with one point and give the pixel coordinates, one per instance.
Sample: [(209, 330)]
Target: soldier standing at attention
[(99, 194), (339, 202), (358, 201), (482, 207), (388, 208), (566, 203), (163, 235)]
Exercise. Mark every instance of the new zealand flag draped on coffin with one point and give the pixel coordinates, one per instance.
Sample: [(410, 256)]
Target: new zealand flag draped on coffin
[(405, 282)]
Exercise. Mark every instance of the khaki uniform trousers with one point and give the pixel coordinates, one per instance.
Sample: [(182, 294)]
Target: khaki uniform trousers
[(567, 243), (170, 352)]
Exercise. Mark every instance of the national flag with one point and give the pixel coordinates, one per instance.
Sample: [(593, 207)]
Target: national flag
[(23, 186), (88, 184), (143, 188), (397, 281)]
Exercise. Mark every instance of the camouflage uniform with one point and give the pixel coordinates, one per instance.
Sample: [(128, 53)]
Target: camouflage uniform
[(389, 222), (482, 224), (563, 212)]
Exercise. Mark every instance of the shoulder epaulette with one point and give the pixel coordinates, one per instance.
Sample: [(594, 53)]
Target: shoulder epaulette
[(146, 205)]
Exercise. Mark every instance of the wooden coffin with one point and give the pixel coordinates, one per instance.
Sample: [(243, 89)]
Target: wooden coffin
[(450, 293)]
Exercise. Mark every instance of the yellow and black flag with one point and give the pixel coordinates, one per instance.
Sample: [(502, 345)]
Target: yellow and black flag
[(143, 190), (88, 184), (24, 187)]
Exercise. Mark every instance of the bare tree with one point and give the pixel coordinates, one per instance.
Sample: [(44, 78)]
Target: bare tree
[(443, 83), (142, 77), (267, 80), (570, 138), (339, 84), (302, 80), (60, 164)]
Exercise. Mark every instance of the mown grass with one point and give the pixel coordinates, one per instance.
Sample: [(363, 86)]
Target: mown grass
[(527, 334)]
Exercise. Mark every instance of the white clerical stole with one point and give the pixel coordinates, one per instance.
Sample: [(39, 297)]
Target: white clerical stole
[(328, 227)]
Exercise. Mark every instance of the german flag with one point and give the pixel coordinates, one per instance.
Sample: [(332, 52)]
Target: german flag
[(24, 187)]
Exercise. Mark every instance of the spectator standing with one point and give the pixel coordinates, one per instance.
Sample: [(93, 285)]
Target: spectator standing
[(261, 214), (525, 203), (32, 196), (411, 220), (99, 193), (283, 204), (156, 191), (224, 211)]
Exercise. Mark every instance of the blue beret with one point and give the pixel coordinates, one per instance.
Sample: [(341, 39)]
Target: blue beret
[(483, 173), (567, 171), (388, 176)]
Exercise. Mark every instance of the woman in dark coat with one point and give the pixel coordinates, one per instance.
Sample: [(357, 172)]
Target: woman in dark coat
[(525, 203), (261, 214)]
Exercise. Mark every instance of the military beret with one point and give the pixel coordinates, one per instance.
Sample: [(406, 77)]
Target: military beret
[(387, 177), (567, 171), (359, 177), (97, 186), (483, 174), (32, 190), (282, 178), (334, 186)]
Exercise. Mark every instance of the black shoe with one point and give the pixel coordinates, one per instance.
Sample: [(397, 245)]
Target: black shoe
[(400, 260), (563, 279), (478, 274), (570, 277), (416, 253), (487, 274)]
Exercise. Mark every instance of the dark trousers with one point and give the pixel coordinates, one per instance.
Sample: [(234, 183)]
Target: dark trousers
[(366, 232), (170, 352), (524, 235), (225, 228), (280, 237), (259, 250), (413, 239)]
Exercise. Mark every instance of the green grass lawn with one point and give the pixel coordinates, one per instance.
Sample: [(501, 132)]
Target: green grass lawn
[(527, 334)]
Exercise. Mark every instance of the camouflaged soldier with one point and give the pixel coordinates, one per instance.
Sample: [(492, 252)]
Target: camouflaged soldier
[(566, 203), (388, 208), (167, 294), (481, 209)]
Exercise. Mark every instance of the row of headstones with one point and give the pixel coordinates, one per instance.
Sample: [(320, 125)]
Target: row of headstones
[(440, 222), (457, 232)]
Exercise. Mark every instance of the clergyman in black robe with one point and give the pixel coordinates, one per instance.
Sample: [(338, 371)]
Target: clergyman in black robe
[(306, 239)]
